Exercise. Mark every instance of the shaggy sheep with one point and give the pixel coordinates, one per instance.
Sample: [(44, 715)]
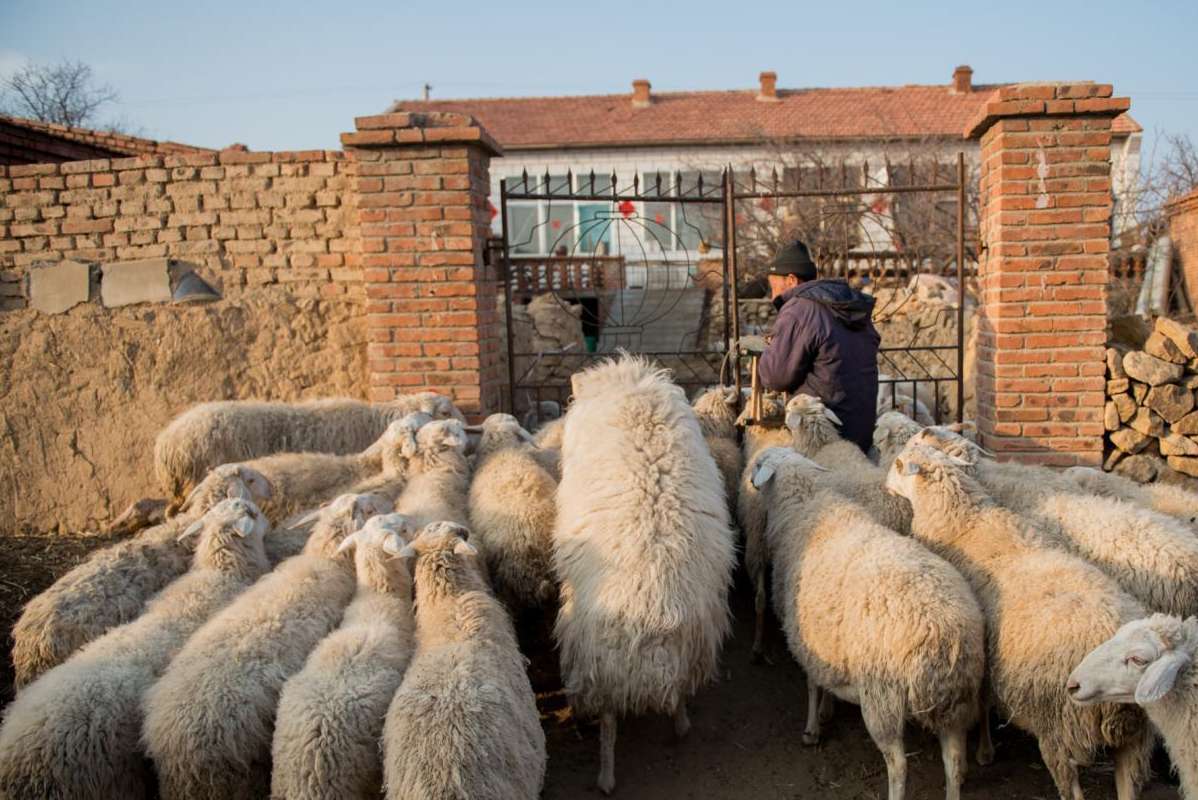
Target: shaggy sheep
[(918, 656), (112, 586), (74, 732), (464, 722), (330, 716), (898, 396), (1045, 609), (716, 410), (1154, 663), (1165, 498), (540, 413), (642, 548), (439, 475), (512, 510), (1153, 557), (234, 431), (209, 719)]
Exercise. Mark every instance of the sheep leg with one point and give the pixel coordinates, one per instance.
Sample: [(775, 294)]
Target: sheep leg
[(1063, 770), (607, 753), (952, 753), (985, 753), (1131, 766), (827, 707), (682, 722), (886, 729), (811, 731), (759, 600)]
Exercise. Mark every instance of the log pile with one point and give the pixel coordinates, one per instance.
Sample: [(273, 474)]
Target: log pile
[(1151, 413)]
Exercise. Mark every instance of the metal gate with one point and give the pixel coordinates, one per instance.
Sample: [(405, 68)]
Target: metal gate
[(654, 266)]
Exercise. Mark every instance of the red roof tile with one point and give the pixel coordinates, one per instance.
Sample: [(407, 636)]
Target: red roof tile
[(721, 117)]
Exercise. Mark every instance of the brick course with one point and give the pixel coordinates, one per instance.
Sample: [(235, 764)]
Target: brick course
[(1045, 206), (247, 218)]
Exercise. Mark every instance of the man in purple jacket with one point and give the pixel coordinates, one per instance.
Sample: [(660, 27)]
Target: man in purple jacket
[(824, 343)]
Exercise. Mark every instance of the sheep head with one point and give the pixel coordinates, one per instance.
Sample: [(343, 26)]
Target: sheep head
[(799, 471), (950, 439), (338, 519), (716, 410), (227, 480), (919, 463), (230, 536), (397, 445), (811, 423), (376, 548), (439, 407), (443, 560), (499, 432), (1141, 663), (442, 442), (893, 430)]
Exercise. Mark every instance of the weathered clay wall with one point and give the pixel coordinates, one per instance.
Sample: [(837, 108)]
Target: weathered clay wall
[(83, 394)]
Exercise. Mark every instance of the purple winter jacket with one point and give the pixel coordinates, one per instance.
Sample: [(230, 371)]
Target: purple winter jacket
[(825, 345)]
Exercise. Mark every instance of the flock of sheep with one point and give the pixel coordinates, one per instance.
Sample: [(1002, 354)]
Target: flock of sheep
[(326, 612)]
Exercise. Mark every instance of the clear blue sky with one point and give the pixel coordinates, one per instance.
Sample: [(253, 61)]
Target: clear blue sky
[(292, 75)]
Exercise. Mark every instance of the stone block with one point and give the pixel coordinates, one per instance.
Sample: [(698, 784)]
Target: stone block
[(1149, 369), (1184, 465), (1171, 401), (1139, 391), (1125, 405), (1117, 386), (1148, 423), (1110, 416), (1187, 425), (1113, 458), (1114, 364), (124, 283), (1177, 445), (56, 287), (1129, 440), (1163, 348), (1186, 339), (1141, 469)]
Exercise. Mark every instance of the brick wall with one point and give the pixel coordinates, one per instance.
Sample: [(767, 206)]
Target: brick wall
[(1045, 231), (247, 219), (422, 185), (1183, 230)]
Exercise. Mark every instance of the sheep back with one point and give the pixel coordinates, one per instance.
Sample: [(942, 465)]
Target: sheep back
[(642, 545)]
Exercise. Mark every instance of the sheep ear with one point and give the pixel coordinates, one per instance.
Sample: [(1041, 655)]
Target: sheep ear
[(1160, 676), (239, 491), (347, 544), (393, 545), (243, 526), (472, 428), (257, 482), (762, 475), (907, 467), (525, 435), (407, 552), (830, 414), (407, 444), (192, 530), (465, 549)]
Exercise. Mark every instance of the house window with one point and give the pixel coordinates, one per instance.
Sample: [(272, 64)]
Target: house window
[(594, 228), (524, 235)]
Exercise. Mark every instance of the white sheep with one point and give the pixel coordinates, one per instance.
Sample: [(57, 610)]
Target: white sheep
[(891, 432), (512, 510), (1045, 609), (330, 715), (74, 732), (896, 395), (438, 475), (1163, 497), (1153, 557), (464, 722), (918, 656), (716, 410), (642, 548), (1152, 662), (209, 718), (233, 431), (112, 585)]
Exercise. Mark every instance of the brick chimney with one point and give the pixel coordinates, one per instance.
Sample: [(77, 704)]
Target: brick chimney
[(640, 93), (768, 92), (962, 79)]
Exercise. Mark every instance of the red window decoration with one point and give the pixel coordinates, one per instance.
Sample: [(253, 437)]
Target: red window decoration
[(627, 208)]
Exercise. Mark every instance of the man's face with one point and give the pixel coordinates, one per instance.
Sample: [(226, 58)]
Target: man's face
[(780, 284)]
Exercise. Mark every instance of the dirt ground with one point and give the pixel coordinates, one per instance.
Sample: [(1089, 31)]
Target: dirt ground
[(83, 394), (744, 741)]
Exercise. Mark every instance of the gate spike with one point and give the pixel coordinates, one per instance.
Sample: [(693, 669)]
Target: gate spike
[(569, 181), (700, 183), (658, 183), (677, 183), (775, 179), (524, 178), (753, 178), (613, 183), (636, 183), (548, 188)]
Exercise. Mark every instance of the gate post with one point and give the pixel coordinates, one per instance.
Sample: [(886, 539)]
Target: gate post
[(1044, 230), (422, 186)]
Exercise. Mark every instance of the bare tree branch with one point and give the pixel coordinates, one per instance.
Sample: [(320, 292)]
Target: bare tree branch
[(63, 93)]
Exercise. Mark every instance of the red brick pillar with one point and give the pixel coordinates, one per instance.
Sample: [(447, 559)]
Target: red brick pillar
[(422, 186), (1044, 227)]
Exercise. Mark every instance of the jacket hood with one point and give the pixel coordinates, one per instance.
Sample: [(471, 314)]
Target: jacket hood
[(850, 306)]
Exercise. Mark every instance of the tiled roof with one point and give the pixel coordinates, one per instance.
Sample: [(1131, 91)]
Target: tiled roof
[(33, 141), (722, 117)]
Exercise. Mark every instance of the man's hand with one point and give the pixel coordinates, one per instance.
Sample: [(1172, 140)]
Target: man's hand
[(752, 345)]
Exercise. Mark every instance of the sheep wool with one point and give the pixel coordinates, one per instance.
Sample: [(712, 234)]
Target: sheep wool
[(642, 548), (330, 716), (1153, 662), (439, 475), (891, 432), (112, 585), (209, 719), (1045, 609), (211, 434), (464, 723), (1165, 498), (918, 656), (716, 411), (512, 511), (74, 733)]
